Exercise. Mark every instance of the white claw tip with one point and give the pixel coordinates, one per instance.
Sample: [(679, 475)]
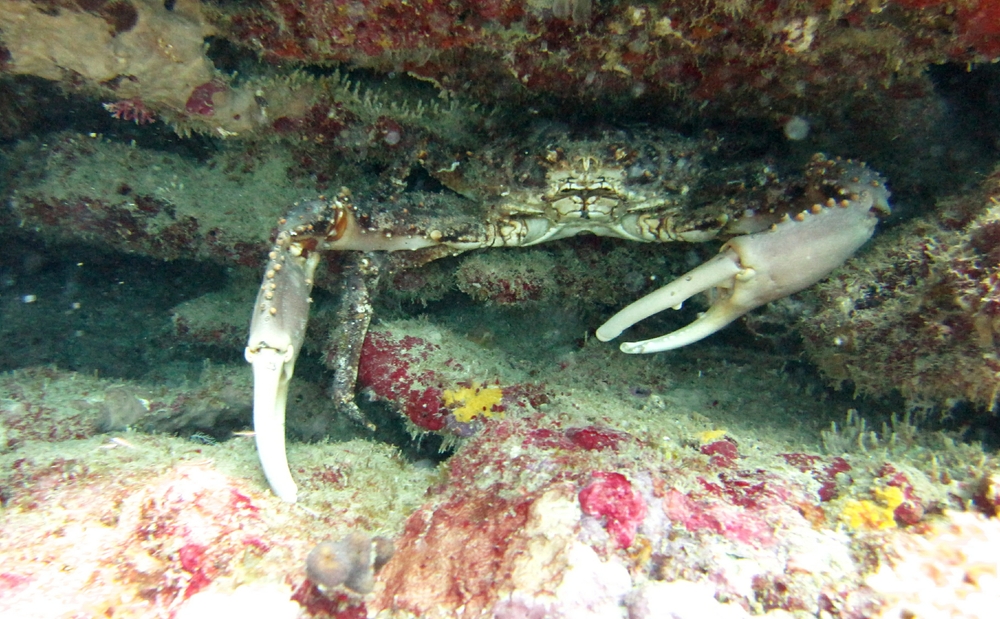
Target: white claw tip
[(630, 348), (288, 495), (606, 335)]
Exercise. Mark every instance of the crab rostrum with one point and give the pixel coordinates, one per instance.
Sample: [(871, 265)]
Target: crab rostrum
[(783, 236)]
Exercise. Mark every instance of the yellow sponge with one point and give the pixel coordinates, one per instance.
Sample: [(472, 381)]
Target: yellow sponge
[(473, 401)]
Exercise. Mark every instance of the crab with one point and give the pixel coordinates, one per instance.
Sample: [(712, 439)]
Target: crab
[(783, 236)]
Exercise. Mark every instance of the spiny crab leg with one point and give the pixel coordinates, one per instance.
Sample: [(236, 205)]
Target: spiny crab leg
[(755, 269), (347, 338)]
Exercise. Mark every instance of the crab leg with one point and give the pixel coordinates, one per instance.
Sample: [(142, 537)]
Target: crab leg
[(344, 350), (278, 328), (272, 372), (281, 313)]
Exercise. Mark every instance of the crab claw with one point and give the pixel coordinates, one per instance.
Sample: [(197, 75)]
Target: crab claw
[(277, 330), (281, 312), (755, 269), (272, 371), (717, 272)]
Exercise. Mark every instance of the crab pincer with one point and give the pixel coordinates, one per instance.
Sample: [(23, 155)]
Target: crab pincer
[(758, 268)]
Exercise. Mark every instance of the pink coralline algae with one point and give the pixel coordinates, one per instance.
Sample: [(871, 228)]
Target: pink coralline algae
[(155, 541), (734, 54), (539, 513), (911, 509), (610, 496), (197, 529), (492, 279), (723, 453), (766, 59), (521, 489), (699, 515), (92, 191), (826, 472), (200, 102), (414, 376), (764, 531), (596, 437), (387, 369), (501, 536)]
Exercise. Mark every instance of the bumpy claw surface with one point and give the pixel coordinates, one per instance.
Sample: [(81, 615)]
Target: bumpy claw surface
[(758, 268), (278, 328)]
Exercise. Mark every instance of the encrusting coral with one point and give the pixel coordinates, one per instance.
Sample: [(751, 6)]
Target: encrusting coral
[(576, 501), (918, 312), (147, 59)]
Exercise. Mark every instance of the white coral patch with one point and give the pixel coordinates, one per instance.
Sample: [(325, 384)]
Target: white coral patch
[(799, 34)]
